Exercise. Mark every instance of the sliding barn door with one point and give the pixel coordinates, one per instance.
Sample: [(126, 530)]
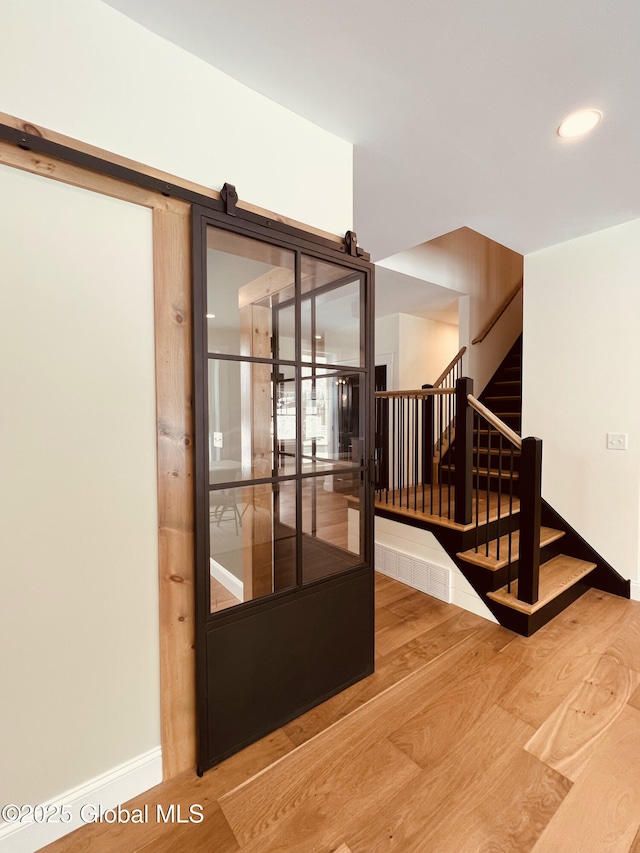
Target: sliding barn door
[(283, 383)]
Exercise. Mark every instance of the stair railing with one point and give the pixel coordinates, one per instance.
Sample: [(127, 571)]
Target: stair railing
[(494, 319), (451, 373), (415, 472), (472, 482), (447, 379), (498, 511)]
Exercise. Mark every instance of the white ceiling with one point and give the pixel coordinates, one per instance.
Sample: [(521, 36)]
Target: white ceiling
[(452, 106)]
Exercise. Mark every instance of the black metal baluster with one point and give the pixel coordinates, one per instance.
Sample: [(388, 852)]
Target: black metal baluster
[(400, 445), (405, 449), (476, 422), (440, 454), (510, 518), (499, 492), (416, 447), (448, 431), (409, 449), (488, 489), (424, 444), (393, 451), (432, 455)]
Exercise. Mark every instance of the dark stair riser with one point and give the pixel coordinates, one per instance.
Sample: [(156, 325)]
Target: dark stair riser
[(482, 459), (480, 483), (527, 625), (481, 439), (496, 528), (512, 419), (485, 580), (509, 371)]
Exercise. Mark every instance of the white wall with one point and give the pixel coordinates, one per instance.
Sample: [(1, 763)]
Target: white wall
[(423, 545), (483, 359), (416, 350), (581, 356), (484, 273), (387, 346), (79, 669), (85, 70), (426, 347)]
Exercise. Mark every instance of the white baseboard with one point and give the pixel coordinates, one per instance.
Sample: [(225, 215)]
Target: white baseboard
[(108, 790), (228, 581), (635, 591)]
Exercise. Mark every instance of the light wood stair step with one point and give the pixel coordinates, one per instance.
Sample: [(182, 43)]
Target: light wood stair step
[(493, 472), (494, 451), (556, 576), (491, 561)]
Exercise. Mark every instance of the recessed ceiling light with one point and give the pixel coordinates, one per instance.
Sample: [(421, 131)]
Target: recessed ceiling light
[(318, 337), (579, 123), (211, 316)]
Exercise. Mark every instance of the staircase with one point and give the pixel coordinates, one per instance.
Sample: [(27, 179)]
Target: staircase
[(503, 396), (520, 556)]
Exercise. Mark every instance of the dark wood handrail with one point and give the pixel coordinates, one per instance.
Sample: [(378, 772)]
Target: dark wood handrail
[(483, 334), (449, 367)]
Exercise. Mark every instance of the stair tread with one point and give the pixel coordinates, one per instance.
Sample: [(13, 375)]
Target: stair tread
[(556, 576), (495, 451), (492, 563), (484, 471)]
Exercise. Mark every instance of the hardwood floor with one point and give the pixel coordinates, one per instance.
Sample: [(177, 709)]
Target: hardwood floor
[(466, 738), (221, 598)]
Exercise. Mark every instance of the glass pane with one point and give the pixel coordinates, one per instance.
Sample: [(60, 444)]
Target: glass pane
[(286, 420), (332, 525), (246, 281), (332, 420), (284, 332), (252, 552), (330, 314), (252, 409)]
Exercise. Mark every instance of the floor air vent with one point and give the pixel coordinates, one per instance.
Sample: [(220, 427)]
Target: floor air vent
[(434, 580)]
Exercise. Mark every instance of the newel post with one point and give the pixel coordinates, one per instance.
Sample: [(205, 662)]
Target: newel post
[(530, 513), (463, 480)]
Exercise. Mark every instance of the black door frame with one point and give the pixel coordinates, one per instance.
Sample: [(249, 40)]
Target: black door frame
[(275, 657)]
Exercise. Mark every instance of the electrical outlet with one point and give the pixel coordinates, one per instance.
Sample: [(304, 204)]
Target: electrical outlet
[(617, 440), (217, 439)]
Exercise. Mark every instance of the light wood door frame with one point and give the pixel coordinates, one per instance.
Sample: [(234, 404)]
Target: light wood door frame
[(172, 317)]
